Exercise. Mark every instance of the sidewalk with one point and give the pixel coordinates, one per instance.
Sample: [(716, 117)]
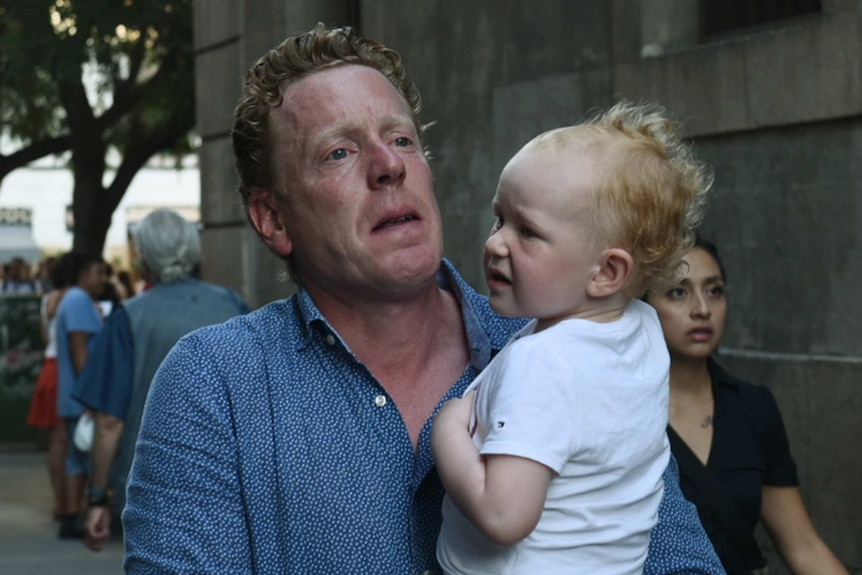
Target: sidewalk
[(28, 536)]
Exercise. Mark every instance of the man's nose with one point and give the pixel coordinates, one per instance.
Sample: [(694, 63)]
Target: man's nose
[(386, 166)]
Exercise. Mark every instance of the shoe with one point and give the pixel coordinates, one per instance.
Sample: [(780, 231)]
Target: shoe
[(70, 528)]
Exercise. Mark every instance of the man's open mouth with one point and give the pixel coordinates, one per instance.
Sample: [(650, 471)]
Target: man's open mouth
[(396, 221)]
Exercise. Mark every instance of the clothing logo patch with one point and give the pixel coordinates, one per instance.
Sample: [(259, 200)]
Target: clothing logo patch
[(501, 424)]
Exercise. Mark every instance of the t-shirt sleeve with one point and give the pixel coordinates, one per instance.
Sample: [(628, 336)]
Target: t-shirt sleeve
[(81, 313), (530, 407), (780, 467), (105, 384)]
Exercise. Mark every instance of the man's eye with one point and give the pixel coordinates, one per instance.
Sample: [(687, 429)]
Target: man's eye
[(402, 142), (338, 154), (528, 232)]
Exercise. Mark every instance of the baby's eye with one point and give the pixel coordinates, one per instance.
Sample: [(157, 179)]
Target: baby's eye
[(338, 154), (528, 232)]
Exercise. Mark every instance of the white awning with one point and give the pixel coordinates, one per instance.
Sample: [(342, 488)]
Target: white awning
[(17, 240)]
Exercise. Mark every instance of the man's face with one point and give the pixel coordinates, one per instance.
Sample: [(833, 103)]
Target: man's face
[(357, 202), (93, 279)]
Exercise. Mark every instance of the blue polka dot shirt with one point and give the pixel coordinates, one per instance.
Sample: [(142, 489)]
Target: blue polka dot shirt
[(266, 447)]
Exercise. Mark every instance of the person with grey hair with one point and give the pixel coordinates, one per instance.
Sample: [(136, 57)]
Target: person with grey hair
[(136, 337), (168, 245)]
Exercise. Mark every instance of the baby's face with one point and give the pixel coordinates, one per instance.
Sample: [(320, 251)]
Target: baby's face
[(542, 251)]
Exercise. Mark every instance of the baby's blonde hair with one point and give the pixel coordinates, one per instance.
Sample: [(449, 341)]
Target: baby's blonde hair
[(651, 189)]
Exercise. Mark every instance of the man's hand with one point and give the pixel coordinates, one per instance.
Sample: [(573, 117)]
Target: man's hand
[(98, 528)]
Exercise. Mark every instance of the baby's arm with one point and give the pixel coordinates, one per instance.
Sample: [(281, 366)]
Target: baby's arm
[(502, 495)]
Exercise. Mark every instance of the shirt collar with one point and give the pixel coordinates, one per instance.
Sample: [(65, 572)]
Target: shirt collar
[(719, 376), (482, 348)]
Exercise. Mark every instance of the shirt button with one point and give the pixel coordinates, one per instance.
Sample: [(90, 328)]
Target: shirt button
[(380, 400), (330, 339)]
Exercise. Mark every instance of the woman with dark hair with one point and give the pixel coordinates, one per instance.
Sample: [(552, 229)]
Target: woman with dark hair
[(727, 435), (78, 320), (43, 408)]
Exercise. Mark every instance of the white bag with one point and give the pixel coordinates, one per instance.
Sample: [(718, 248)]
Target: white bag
[(84, 430)]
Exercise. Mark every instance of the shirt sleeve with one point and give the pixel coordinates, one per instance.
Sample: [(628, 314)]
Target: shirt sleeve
[(529, 407), (106, 382), (81, 314), (184, 510), (678, 543), (780, 466)]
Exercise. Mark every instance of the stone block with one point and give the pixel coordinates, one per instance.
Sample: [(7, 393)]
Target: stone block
[(220, 200), (216, 22), (218, 83)]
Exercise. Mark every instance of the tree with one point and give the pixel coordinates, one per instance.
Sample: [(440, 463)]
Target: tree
[(96, 79)]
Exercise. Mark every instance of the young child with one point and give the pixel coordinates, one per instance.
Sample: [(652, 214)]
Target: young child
[(553, 460)]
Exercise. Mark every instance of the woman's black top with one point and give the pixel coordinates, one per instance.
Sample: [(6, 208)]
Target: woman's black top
[(749, 450)]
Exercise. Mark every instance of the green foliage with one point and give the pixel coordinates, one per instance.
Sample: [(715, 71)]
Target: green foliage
[(91, 77), (134, 58)]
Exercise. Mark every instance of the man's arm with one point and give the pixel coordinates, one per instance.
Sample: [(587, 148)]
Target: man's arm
[(185, 510), (109, 429), (678, 543), (502, 495), (78, 341), (105, 386)]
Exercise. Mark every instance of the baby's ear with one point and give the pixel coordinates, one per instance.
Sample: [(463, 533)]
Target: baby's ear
[(616, 267)]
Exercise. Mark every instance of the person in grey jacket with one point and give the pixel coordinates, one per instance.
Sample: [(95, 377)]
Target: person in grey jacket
[(135, 339)]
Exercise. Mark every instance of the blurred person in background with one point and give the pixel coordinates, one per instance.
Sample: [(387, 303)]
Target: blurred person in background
[(45, 274), (130, 348), (123, 283), (111, 295), (17, 279), (78, 321), (43, 408)]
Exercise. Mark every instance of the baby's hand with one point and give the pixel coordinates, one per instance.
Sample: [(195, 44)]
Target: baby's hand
[(452, 425)]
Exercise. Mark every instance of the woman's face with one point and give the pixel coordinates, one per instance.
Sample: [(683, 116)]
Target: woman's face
[(692, 311)]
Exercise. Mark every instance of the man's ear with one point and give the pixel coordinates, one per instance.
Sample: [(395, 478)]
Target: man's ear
[(265, 217), (616, 267)]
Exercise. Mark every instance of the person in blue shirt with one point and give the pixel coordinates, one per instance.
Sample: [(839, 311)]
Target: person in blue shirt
[(78, 322), (136, 338), (296, 438)]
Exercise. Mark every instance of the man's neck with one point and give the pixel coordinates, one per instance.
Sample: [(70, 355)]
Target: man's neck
[(415, 347), (399, 327)]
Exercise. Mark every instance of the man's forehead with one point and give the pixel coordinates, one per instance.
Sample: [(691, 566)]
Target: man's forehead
[(340, 84), (334, 99)]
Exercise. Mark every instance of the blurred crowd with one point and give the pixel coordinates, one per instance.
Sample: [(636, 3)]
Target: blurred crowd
[(20, 277), (105, 332)]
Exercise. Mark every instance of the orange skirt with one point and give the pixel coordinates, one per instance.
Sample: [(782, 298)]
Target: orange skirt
[(43, 408)]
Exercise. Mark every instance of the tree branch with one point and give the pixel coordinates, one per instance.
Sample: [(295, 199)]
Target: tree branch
[(31, 153), (140, 153)]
